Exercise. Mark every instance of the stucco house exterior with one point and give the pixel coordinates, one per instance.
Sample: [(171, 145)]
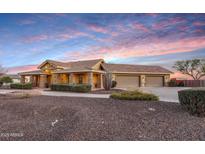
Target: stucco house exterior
[(92, 71)]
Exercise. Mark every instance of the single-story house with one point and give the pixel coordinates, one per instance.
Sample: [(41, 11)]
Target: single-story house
[(92, 72)]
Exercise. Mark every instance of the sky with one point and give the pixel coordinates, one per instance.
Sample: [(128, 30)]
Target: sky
[(26, 40)]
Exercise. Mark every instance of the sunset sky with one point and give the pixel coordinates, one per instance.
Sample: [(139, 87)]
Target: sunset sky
[(26, 40)]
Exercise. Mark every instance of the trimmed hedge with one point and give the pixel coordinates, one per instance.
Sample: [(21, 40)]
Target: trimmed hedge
[(21, 86), (193, 100), (135, 95), (71, 87)]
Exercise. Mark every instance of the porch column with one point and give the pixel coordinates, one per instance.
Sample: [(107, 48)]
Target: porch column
[(90, 79), (32, 80), (101, 81), (166, 80), (142, 80), (22, 79), (55, 78), (43, 81), (71, 80)]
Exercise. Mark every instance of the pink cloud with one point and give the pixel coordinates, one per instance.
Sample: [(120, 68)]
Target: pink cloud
[(140, 27), (156, 47), (35, 38), (69, 35), (26, 22), (15, 70), (98, 29), (168, 22), (198, 23)]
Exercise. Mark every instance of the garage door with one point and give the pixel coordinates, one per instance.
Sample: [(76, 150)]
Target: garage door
[(154, 81), (127, 81)]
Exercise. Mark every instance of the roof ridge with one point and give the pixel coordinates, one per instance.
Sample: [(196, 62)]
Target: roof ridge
[(84, 60), (132, 64)]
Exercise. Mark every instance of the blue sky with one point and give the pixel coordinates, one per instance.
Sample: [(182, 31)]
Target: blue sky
[(160, 39)]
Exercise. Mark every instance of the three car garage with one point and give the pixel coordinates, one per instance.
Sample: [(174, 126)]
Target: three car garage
[(132, 81)]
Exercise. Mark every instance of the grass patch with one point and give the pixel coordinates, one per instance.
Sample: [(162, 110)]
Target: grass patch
[(135, 95)]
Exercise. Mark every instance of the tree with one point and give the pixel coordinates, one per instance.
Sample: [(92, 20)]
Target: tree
[(194, 68), (6, 79), (107, 81), (2, 70)]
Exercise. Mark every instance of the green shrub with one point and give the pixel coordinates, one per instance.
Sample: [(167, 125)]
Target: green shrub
[(134, 95), (114, 84), (193, 100), (21, 86), (71, 87), (6, 79)]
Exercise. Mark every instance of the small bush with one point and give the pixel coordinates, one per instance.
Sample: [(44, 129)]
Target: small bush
[(135, 95), (71, 87), (21, 86), (193, 100), (114, 84)]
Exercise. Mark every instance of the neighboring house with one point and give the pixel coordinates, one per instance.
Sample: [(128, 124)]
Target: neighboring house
[(15, 77), (92, 71)]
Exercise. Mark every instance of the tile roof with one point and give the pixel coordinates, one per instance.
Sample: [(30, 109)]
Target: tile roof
[(86, 64), (36, 72), (134, 68)]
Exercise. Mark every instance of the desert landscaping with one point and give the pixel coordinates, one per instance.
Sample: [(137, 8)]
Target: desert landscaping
[(28, 117)]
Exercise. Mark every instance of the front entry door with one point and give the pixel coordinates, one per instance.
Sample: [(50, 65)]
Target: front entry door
[(48, 81)]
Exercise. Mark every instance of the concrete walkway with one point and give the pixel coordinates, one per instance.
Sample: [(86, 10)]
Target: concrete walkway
[(55, 93), (68, 94)]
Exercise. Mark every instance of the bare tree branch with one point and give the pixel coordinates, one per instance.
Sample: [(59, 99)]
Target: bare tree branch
[(194, 68)]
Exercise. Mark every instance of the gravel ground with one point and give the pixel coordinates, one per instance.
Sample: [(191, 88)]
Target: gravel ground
[(67, 118)]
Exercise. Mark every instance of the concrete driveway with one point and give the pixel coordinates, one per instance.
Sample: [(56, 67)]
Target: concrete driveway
[(169, 94)]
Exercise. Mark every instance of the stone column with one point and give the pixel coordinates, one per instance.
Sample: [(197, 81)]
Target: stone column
[(166, 80), (43, 81), (32, 80), (54, 78), (142, 80), (101, 81), (22, 79), (113, 77), (71, 80), (90, 79)]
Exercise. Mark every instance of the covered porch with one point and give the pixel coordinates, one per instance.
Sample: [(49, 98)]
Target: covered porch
[(37, 78), (95, 79), (43, 80)]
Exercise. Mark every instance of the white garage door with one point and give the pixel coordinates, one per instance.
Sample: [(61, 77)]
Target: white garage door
[(127, 81), (154, 81)]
